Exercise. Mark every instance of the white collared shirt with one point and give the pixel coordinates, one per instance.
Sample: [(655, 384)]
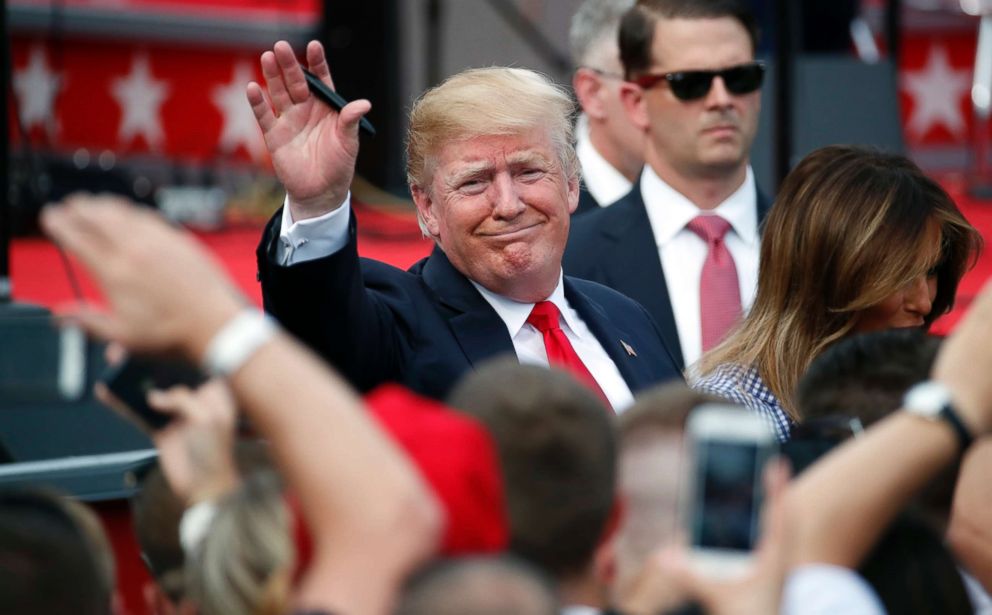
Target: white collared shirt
[(603, 181), (683, 253), (528, 342), (318, 237)]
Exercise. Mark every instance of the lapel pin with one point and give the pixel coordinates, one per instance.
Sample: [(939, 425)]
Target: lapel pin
[(628, 348)]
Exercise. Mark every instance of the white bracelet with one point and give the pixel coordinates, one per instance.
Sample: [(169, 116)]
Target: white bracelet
[(237, 341), (194, 525)]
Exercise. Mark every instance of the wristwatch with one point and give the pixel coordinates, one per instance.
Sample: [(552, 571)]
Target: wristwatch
[(932, 401)]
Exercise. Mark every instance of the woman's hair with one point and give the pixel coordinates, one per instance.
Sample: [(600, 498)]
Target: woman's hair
[(850, 227), (244, 563)]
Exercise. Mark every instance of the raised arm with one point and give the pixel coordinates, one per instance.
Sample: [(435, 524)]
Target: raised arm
[(313, 147), (166, 294)]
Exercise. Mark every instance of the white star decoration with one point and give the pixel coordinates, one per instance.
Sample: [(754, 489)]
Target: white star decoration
[(140, 97), (36, 87), (937, 89), (240, 127)]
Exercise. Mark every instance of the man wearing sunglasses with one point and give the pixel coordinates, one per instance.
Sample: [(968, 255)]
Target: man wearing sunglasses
[(684, 242), (609, 146)]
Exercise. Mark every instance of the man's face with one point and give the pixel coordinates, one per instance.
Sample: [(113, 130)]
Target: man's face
[(709, 136), (499, 208)]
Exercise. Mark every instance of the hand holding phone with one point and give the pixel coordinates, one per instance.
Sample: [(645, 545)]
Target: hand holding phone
[(131, 380), (729, 446)]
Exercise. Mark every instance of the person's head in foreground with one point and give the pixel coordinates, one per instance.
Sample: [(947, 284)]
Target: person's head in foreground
[(651, 468), (55, 556), (478, 586), (493, 173), (858, 240), (557, 450)]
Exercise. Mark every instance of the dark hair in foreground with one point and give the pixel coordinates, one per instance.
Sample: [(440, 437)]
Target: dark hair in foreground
[(913, 573), (866, 375), (850, 227), (637, 26), (557, 451), (478, 586), (55, 560)]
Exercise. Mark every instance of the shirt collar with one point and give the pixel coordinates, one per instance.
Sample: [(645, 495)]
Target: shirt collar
[(514, 313), (603, 181), (669, 210)]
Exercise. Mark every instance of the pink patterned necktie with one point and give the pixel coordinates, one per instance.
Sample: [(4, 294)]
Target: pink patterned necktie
[(719, 290)]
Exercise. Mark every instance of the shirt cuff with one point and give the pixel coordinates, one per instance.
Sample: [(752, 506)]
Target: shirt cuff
[(312, 238)]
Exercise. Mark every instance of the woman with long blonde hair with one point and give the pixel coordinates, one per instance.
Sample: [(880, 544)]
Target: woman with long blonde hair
[(857, 240)]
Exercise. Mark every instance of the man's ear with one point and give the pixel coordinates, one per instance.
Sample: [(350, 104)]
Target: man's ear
[(588, 91), (634, 102), (425, 210), (573, 193)]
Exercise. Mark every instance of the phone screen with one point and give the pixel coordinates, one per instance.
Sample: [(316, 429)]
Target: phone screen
[(728, 494)]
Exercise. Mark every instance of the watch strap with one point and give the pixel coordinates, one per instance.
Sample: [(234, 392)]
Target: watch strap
[(960, 429)]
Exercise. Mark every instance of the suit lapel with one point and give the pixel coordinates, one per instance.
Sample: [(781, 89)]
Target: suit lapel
[(635, 264), (611, 337), (477, 327)]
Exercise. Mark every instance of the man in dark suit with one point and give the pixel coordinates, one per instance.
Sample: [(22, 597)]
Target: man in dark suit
[(610, 148), (494, 178), (684, 242)]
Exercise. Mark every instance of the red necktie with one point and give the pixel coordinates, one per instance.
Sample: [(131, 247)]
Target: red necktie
[(719, 289), (544, 317)]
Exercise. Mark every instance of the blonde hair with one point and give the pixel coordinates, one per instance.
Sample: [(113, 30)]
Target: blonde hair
[(244, 563), (849, 228), (487, 101)]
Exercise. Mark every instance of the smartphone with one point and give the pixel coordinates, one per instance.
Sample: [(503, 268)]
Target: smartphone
[(728, 447), (132, 379)]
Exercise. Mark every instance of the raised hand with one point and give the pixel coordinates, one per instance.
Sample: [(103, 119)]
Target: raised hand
[(313, 147), (165, 291)]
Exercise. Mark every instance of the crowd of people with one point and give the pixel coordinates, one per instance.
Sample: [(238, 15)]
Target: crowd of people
[(502, 428)]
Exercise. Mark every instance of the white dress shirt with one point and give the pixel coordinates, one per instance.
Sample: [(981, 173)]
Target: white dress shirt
[(528, 342), (318, 237), (823, 589), (603, 181), (683, 252)]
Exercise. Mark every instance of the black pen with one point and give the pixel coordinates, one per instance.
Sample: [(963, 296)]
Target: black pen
[(335, 100)]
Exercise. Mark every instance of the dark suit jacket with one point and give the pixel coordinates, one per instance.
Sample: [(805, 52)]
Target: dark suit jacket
[(615, 246), (427, 326)]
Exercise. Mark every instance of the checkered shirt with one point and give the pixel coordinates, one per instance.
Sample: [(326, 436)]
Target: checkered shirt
[(742, 385)]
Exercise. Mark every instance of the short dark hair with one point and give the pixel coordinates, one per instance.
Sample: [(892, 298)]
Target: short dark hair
[(52, 564), (666, 406), (478, 585), (866, 375), (557, 451), (637, 26)]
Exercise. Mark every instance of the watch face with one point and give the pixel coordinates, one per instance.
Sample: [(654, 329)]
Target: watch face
[(927, 399)]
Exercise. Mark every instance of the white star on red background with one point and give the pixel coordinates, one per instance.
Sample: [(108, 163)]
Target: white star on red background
[(36, 87), (240, 127), (937, 90), (140, 96)]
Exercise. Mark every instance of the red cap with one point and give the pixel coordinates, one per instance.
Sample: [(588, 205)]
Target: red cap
[(457, 458)]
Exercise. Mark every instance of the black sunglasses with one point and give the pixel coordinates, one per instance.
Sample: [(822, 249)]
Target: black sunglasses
[(693, 84)]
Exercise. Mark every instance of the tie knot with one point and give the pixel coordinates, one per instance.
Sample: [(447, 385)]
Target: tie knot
[(544, 316), (711, 228)]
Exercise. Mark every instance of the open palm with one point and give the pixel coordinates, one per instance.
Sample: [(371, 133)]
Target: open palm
[(313, 147)]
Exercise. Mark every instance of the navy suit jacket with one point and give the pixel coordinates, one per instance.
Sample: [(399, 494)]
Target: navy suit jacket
[(427, 326), (615, 246)]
